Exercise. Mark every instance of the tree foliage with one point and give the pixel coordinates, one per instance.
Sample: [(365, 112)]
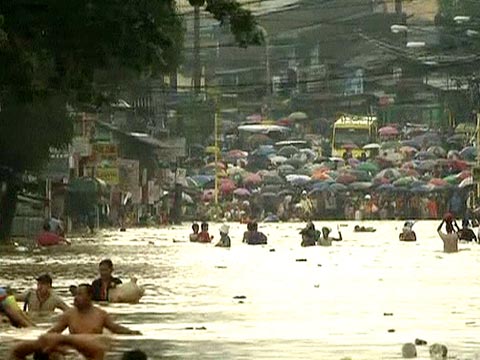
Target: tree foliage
[(50, 51)]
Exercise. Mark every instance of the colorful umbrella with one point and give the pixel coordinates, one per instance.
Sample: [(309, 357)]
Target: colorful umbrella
[(466, 182), (389, 173), (236, 154), (208, 195), (388, 131), (408, 150), (368, 167), (242, 192), (371, 146), (438, 182), (297, 179), (360, 185), (404, 181), (202, 180), (298, 115), (287, 151), (286, 169), (277, 159), (469, 153), (346, 179), (252, 179), (258, 139), (227, 186), (438, 151)]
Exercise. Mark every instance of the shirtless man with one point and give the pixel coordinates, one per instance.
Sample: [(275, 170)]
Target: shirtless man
[(50, 346), (84, 318)]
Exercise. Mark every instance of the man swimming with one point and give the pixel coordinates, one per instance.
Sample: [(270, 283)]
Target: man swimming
[(85, 318)]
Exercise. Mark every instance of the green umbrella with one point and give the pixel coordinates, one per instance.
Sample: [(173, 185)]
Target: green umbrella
[(451, 179), (368, 166), (404, 181)]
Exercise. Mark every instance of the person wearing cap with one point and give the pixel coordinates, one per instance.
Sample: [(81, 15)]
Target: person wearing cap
[(407, 233), (326, 239), (43, 299), (306, 205), (224, 238), (10, 309)]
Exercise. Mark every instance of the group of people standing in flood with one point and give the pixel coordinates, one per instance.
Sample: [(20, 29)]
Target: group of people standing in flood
[(251, 237), (83, 320)]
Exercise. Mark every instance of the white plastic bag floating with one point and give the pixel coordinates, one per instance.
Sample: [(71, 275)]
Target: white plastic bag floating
[(128, 292)]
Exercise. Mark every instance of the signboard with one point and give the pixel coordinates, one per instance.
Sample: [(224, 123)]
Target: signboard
[(108, 174), (180, 176), (153, 192), (81, 146), (129, 174), (105, 151), (172, 149)]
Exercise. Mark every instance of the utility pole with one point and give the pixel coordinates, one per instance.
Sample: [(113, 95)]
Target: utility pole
[(197, 66), (398, 6)]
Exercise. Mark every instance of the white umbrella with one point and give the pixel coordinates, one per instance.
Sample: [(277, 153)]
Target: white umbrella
[(277, 159), (298, 115), (371, 146), (466, 182)]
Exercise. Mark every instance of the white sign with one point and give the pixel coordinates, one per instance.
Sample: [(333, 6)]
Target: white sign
[(81, 146)]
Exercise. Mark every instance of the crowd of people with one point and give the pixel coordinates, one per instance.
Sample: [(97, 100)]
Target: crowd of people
[(418, 174), (83, 320)]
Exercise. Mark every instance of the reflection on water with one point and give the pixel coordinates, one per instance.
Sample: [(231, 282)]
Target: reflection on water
[(361, 298)]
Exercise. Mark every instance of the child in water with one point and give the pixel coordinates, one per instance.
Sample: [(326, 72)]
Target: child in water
[(224, 238), (194, 235), (204, 236)]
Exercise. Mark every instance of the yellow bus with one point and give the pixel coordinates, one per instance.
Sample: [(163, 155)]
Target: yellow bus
[(353, 132)]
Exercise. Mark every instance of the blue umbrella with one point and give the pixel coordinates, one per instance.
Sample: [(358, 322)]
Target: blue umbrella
[(386, 187), (202, 180), (264, 150), (336, 187)]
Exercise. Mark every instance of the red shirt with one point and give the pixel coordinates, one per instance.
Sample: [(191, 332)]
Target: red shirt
[(204, 237), (48, 239)]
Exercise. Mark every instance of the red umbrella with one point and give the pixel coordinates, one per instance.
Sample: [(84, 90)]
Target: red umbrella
[(218, 164), (208, 195), (227, 186), (346, 179), (388, 131), (464, 174), (241, 192), (438, 182), (252, 179), (254, 118), (236, 154), (458, 165), (349, 146)]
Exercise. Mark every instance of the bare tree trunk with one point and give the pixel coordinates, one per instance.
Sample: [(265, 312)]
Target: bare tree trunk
[(8, 205)]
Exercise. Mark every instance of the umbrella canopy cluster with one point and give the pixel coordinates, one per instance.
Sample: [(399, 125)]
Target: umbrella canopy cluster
[(422, 163)]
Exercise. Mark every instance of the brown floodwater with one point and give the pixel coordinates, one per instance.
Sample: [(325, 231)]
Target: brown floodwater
[(361, 298)]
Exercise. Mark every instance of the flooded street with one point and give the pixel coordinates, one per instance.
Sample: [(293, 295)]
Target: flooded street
[(361, 298)]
